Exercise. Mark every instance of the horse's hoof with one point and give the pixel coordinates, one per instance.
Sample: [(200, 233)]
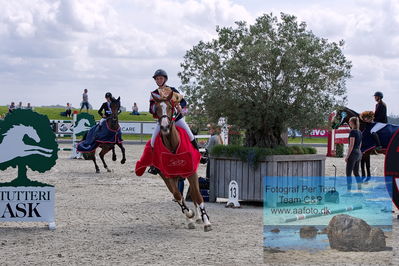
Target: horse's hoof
[(198, 221), (97, 171), (191, 225), (114, 158), (207, 228), (108, 170), (190, 214), (123, 161)]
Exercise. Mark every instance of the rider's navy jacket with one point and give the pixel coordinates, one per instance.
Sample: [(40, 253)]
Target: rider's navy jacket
[(380, 114), (107, 109), (183, 104)]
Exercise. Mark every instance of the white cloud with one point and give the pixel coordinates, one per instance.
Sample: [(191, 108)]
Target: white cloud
[(59, 47)]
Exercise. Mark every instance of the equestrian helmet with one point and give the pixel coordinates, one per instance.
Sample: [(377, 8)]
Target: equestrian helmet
[(379, 94), (160, 72), (108, 95)]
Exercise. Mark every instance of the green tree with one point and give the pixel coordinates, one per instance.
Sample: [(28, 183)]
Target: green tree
[(26, 140), (266, 77)]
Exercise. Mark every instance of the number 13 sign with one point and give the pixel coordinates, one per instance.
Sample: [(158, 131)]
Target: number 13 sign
[(233, 195)]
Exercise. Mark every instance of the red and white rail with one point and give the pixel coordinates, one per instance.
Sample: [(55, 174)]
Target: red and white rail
[(337, 136)]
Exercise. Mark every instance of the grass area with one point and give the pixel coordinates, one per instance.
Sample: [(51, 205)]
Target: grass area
[(307, 140), (54, 114)]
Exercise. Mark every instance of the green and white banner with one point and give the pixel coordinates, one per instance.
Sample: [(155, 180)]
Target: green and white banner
[(27, 141)]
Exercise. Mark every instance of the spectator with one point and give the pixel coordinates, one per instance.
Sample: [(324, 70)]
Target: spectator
[(29, 107), (354, 155), (68, 111), (11, 107), (85, 100), (20, 106), (135, 109), (215, 139)]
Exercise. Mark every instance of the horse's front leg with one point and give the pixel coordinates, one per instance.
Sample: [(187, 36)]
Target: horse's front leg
[(171, 184), (104, 150), (197, 198), (123, 152), (113, 154)]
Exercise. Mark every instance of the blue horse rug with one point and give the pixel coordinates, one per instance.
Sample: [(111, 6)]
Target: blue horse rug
[(385, 134), (98, 135)]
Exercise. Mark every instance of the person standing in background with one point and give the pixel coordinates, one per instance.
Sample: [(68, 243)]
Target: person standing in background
[(85, 100), (215, 139), (29, 107), (20, 106), (11, 107), (354, 154)]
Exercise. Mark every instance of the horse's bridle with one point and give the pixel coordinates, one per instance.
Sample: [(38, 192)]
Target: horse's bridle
[(170, 119)]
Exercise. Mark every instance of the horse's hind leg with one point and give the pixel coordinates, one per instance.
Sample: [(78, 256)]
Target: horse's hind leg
[(113, 154), (197, 198), (123, 152), (102, 153)]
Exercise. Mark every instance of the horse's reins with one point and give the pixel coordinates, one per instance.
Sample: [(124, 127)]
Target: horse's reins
[(170, 119)]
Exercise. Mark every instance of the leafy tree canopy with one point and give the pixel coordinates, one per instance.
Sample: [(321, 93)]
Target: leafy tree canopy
[(265, 77)]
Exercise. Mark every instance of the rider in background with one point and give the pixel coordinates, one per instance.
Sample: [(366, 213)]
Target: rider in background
[(380, 118), (160, 76), (106, 107)]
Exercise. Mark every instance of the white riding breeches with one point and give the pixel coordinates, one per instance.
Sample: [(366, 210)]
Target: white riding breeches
[(378, 126), (155, 134), (182, 124)]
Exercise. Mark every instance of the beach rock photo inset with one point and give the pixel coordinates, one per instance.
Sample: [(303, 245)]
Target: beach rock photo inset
[(308, 232), (347, 233)]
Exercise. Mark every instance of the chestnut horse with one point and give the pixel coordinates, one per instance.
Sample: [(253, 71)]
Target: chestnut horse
[(171, 139)]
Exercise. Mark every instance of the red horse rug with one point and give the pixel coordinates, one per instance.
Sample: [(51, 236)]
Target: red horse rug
[(183, 163)]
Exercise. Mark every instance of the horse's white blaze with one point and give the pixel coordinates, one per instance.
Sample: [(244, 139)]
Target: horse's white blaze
[(164, 120)]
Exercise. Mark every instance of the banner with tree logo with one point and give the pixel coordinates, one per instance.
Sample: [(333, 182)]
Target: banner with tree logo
[(27, 141)]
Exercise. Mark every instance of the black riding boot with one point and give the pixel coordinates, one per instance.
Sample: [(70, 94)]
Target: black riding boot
[(195, 144), (377, 141)]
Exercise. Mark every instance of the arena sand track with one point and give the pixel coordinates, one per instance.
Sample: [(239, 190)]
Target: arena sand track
[(119, 218)]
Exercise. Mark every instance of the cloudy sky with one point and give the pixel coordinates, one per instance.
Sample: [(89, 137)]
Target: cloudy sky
[(50, 50)]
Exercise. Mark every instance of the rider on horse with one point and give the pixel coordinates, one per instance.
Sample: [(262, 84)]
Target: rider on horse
[(379, 116), (160, 76), (106, 107)]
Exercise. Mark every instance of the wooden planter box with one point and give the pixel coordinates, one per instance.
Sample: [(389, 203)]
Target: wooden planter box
[(250, 180)]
